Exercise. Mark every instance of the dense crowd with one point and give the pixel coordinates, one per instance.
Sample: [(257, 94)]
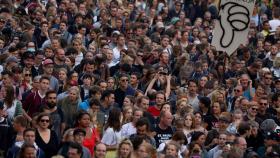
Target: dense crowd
[(136, 79)]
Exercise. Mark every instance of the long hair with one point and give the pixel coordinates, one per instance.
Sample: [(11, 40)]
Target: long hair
[(125, 141), (10, 96), (114, 119)]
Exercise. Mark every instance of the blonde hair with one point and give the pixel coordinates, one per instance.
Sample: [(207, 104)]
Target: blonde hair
[(125, 141)]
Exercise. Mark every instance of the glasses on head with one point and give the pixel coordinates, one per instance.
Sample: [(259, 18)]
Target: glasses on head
[(42, 120), (27, 75)]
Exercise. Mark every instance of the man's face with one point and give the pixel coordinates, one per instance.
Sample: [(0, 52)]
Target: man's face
[(144, 104), (6, 80), (100, 151), (48, 69), (29, 137), (44, 85), (244, 81), (89, 68), (142, 130), (51, 99), (268, 80), (124, 82), (159, 99), (29, 62), (111, 99), (164, 58), (29, 153), (165, 42), (62, 27), (121, 41), (79, 138), (192, 87), (133, 79), (61, 55), (167, 119), (222, 140), (73, 153), (263, 104), (137, 115)]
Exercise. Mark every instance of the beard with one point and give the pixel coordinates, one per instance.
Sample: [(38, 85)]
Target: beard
[(51, 105)]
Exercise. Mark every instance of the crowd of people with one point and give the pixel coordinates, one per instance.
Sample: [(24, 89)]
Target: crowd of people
[(136, 79)]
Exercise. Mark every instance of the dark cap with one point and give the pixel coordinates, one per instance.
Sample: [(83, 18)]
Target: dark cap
[(28, 55), (205, 100), (78, 131)]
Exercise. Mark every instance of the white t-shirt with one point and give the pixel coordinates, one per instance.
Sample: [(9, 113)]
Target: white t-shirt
[(127, 130), (111, 137), (274, 24)]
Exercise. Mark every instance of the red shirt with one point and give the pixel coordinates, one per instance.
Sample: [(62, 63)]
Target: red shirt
[(154, 111)]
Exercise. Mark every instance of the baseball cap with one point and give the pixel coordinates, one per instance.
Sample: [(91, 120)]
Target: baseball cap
[(47, 62)]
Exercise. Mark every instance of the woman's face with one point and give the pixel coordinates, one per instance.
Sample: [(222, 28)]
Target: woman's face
[(127, 102), (73, 95), (180, 106), (259, 91), (166, 107), (27, 76), (62, 75), (75, 76), (201, 140), (68, 62), (216, 108), (85, 121), (203, 81), (188, 121), (44, 122), (125, 150), (197, 118), (128, 113), (110, 83), (142, 152), (171, 150)]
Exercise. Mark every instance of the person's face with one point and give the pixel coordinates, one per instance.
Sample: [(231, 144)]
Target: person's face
[(87, 81), (6, 80), (166, 107), (77, 46), (192, 88), (142, 130), (254, 131), (244, 81), (73, 95), (44, 122), (79, 138), (29, 153), (203, 81), (49, 53), (110, 83), (128, 113), (165, 42), (144, 104), (164, 58), (201, 140), (103, 86), (137, 115), (44, 85), (268, 79), (133, 79), (124, 82), (167, 119), (55, 44), (183, 104), (111, 99), (263, 104), (89, 68), (242, 144), (121, 41), (171, 150), (159, 99), (51, 99), (188, 121), (62, 27), (216, 108), (259, 91), (61, 55), (125, 150), (197, 118), (142, 152), (62, 75), (48, 69), (29, 137), (29, 62), (73, 153), (253, 110), (127, 102), (100, 151)]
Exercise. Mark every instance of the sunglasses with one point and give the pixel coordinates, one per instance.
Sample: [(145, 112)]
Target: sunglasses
[(47, 121), (237, 90), (263, 103), (125, 80), (255, 109), (27, 75)]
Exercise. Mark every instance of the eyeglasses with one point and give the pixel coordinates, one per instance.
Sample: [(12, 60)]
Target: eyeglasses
[(124, 80), (27, 75), (255, 109), (47, 121)]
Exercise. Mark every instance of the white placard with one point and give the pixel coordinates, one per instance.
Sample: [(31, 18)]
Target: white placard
[(232, 27)]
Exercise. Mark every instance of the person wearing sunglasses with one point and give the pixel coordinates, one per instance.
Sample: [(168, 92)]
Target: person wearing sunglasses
[(46, 138)]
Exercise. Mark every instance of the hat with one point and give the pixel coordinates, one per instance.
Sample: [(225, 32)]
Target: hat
[(205, 100), (78, 131), (28, 55), (47, 62), (159, 25), (268, 125), (271, 136), (174, 20), (11, 59)]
